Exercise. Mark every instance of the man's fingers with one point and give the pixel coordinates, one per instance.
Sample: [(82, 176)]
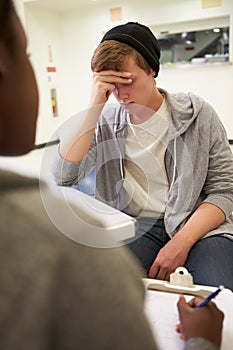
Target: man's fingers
[(153, 271), (113, 77), (122, 74)]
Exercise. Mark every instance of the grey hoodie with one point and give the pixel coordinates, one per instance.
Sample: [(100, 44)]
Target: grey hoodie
[(198, 161)]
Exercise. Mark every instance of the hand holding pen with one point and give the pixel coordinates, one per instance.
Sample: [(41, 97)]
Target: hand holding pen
[(200, 322), (210, 297)]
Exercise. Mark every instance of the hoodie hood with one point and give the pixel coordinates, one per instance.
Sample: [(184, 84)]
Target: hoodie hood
[(185, 109)]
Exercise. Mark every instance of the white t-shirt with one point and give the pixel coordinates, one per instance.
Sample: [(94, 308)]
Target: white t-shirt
[(145, 175)]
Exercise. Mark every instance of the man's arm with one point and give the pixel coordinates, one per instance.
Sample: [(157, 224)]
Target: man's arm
[(174, 254), (74, 147)]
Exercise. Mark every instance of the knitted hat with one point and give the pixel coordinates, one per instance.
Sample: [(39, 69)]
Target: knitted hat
[(140, 38)]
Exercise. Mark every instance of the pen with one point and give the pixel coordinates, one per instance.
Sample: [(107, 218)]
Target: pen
[(211, 296)]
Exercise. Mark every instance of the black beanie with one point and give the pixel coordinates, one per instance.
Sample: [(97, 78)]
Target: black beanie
[(140, 38)]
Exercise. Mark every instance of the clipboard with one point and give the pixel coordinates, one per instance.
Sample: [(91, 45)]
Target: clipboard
[(181, 282), (161, 308)]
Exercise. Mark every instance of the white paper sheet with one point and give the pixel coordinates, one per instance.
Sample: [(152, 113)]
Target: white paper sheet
[(161, 311)]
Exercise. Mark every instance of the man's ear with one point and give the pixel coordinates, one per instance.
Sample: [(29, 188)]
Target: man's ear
[(153, 73)]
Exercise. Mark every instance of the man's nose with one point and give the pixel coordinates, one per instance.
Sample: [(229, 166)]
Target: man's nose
[(122, 92)]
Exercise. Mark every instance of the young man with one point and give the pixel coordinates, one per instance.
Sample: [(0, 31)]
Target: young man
[(163, 158), (54, 293)]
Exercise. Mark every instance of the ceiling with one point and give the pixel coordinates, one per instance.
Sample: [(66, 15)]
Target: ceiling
[(63, 5)]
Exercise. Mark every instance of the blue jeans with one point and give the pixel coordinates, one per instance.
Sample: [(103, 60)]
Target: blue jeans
[(210, 261)]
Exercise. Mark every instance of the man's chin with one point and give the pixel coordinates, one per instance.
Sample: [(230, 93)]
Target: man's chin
[(133, 108), (128, 106)]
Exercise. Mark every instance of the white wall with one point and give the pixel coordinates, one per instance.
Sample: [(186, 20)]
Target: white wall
[(214, 82), (74, 35), (43, 29)]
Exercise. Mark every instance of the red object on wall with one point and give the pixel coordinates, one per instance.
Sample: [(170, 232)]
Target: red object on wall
[(51, 69)]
